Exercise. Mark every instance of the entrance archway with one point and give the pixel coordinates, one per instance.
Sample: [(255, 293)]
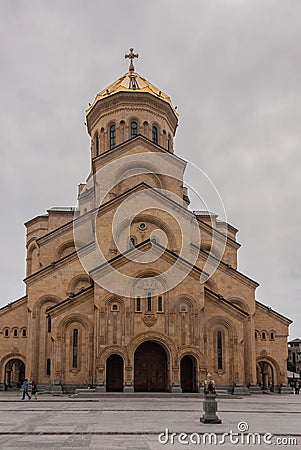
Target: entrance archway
[(265, 375), (188, 374), (114, 373), (150, 363), (14, 373)]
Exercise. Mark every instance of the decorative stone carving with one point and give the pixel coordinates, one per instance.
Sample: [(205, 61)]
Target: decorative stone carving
[(149, 320), (149, 284)]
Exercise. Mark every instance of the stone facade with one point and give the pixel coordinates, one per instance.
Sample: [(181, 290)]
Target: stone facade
[(153, 333)]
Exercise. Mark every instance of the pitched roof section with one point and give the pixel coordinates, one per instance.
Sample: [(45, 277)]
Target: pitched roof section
[(141, 139), (13, 304), (71, 298), (272, 311), (143, 245), (295, 341), (226, 302)]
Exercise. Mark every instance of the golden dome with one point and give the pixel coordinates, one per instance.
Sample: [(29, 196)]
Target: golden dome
[(132, 82)]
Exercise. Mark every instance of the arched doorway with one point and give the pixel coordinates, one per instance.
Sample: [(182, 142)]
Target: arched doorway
[(150, 363), (114, 373), (14, 373), (265, 375), (188, 374)]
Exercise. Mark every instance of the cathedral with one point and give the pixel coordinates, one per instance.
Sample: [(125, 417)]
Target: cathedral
[(131, 290)]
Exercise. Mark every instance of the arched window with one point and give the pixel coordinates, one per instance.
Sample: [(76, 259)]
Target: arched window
[(155, 135), (6, 332), (48, 366), (15, 332), (112, 136), (24, 332), (256, 336), (149, 301), (263, 336), (219, 350), (134, 129), (96, 144), (138, 304), (160, 304), (75, 349), (115, 307), (272, 335)]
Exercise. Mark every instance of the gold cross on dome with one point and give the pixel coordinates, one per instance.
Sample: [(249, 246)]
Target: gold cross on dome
[(131, 56)]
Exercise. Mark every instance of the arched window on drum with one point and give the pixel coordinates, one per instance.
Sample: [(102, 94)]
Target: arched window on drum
[(112, 136), (134, 129), (155, 135)]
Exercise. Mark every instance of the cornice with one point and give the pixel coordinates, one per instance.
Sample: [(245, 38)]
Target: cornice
[(150, 190), (220, 300), (40, 218), (122, 258), (140, 137), (130, 108), (129, 100), (14, 304), (226, 268), (55, 265), (230, 240), (64, 305), (53, 233)]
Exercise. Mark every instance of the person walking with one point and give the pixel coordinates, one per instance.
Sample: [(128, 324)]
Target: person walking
[(25, 390), (34, 389), (297, 387)]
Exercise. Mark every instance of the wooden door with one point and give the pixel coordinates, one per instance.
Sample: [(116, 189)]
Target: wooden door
[(150, 368), (114, 374), (188, 374)]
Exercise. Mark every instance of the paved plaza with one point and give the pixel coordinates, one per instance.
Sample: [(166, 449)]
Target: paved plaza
[(134, 423)]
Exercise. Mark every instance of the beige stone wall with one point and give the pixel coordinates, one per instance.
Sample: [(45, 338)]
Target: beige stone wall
[(77, 314), (270, 335), (14, 319)]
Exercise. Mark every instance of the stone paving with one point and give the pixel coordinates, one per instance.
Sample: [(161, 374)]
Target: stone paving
[(131, 423)]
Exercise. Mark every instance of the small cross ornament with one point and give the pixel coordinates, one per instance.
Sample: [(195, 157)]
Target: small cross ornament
[(131, 56)]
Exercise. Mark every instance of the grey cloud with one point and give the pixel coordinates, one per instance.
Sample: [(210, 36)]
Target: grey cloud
[(233, 69)]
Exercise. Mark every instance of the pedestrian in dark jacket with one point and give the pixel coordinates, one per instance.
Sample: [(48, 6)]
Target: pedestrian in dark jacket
[(25, 390), (34, 389)]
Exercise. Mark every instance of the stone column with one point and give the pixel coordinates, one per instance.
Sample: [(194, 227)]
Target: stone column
[(31, 365), (175, 386), (129, 383), (101, 387)]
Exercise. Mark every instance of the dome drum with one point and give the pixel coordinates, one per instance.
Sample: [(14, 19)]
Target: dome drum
[(153, 117)]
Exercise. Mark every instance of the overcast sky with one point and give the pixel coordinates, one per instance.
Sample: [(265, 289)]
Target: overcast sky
[(233, 68)]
